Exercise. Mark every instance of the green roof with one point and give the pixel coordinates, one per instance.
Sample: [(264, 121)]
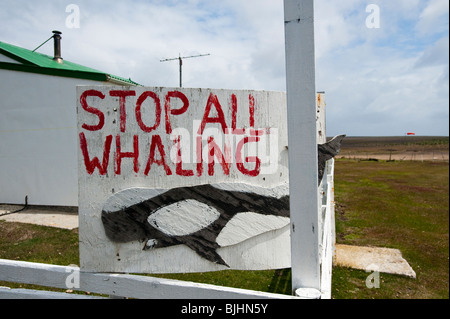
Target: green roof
[(35, 62)]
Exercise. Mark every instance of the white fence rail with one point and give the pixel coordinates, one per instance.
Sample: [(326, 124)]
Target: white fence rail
[(131, 286), (328, 235)]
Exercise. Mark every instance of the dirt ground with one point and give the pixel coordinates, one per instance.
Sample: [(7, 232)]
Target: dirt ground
[(399, 148)]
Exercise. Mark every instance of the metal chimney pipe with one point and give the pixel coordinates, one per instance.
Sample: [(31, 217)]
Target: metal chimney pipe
[(57, 46)]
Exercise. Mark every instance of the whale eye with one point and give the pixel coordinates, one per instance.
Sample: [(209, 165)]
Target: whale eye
[(150, 244), (183, 218)]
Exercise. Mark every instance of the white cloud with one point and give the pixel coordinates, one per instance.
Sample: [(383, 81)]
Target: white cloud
[(436, 54), (382, 81), (337, 26), (434, 18)]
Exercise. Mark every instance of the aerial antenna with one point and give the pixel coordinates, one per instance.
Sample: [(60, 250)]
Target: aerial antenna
[(180, 59)]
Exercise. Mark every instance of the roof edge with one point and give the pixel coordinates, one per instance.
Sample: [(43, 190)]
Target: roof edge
[(120, 81), (15, 57), (101, 77), (35, 62)]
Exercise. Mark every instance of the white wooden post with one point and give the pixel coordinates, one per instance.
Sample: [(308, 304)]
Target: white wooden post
[(303, 167)]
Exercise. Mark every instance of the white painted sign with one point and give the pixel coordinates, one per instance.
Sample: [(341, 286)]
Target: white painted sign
[(182, 180)]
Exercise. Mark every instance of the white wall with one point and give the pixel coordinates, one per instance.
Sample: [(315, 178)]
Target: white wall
[(4, 58), (38, 138)]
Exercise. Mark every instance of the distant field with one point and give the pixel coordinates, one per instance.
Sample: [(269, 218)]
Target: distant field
[(406, 148)]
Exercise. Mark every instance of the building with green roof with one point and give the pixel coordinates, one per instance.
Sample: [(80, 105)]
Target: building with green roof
[(24, 60), (38, 125)]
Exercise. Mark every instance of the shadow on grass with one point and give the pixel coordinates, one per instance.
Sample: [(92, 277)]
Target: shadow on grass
[(281, 282)]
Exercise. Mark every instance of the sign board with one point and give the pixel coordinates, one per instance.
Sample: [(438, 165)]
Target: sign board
[(182, 180)]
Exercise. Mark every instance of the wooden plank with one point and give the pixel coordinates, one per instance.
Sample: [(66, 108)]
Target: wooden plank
[(321, 118), (156, 288), (327, 244), (301, 104), (130, 286), (332, 210), (327, 270), (7, 293), (34, 273)]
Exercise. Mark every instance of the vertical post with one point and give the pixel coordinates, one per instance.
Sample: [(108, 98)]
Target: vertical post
[(321, 118), (303, 167), (181, 72)]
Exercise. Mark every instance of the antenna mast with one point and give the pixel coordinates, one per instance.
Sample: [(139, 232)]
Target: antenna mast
[(180, 59)]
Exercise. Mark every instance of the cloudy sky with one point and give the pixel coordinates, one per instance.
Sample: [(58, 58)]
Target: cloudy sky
[(385, 78)]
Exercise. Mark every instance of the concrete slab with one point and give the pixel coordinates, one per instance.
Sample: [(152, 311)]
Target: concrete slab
[(383, 260), (60, 217)]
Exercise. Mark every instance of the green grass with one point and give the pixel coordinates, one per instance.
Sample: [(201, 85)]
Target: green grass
[(38, 244), (274, 281), (403, 205)]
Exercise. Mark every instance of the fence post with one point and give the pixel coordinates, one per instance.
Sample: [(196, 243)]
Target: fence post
[(301, 101)]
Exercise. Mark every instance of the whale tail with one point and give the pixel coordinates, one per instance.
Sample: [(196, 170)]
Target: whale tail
[(206, 249)]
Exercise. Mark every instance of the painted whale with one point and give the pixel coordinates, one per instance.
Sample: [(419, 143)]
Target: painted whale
[(196, 216)]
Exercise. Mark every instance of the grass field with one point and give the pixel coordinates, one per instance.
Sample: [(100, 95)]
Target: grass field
[(400, 204), (403, 205)]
